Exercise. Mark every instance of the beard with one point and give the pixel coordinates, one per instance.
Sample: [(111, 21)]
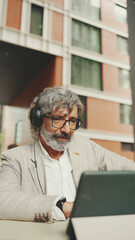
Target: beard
[(52, 139)]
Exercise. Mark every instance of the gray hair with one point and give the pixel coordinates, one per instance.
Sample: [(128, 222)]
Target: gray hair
[(51, 99)]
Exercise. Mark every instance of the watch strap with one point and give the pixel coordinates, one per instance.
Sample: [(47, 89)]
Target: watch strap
[(60, 203)]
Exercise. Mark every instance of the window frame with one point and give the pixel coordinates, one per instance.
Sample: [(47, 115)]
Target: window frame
[(86, 32), (125, 114), (82, 75), (42, 17)]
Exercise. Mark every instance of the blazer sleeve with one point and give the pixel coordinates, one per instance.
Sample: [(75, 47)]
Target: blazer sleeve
[(110, 161), (16, 203)]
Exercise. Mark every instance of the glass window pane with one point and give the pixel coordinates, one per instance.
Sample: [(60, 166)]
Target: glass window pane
[(127, 146), (76, 5), (83, 100), (86, 36), (122, 44), (86, 73), (95, 9), (120, 14), (36, 24), (125, 114), (90, 8), (76, 34), (18, 132), (124, 78)]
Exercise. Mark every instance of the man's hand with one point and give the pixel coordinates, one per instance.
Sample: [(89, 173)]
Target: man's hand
[(67, 208)]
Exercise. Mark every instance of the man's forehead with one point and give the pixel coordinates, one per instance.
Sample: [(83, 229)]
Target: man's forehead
[(64, 111)]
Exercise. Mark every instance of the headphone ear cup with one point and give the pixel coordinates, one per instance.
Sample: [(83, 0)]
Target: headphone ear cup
[(77, 125), (32, 114), (38, 113), (35, 117)]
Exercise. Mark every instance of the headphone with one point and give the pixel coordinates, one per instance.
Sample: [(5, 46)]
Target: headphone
[(36, 117), (77, 125)]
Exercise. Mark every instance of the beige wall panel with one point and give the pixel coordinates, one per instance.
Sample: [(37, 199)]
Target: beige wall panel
[(115, 147), (105, 116), (109, 47), (57, 27), (111, 82), (108, 17), (57, 2), (14, 11)]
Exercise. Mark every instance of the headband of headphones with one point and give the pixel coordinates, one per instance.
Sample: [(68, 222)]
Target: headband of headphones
[(36, 118)]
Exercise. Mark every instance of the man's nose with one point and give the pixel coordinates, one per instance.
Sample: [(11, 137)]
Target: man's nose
[(66, 127)]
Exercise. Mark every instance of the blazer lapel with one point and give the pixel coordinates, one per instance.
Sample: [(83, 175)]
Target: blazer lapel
[(78, 166), (80, 157), (37, 168)]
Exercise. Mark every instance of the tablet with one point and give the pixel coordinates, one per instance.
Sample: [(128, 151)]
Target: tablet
[(104, 193)]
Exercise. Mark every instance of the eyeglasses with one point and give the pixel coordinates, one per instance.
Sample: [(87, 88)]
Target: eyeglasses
[(58, 122)]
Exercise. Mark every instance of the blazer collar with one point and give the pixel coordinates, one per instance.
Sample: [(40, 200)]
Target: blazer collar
[(37, 168)]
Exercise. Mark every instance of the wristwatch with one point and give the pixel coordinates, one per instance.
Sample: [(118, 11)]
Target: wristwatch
[(60, 203)]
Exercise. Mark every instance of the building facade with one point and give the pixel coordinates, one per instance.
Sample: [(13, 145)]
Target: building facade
[(86, 47)]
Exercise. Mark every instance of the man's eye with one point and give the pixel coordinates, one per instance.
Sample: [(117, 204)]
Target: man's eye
[(56, 118), (73, 120)]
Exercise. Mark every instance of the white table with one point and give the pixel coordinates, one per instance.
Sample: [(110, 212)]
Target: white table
[(19, 230), (118, 227)]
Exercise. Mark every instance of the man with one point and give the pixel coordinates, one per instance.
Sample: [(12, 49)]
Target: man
[(38, 181)]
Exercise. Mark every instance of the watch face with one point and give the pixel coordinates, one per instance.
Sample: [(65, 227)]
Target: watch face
[(60, 203)]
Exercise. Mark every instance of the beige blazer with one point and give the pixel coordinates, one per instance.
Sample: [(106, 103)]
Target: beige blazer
[(22, 194)]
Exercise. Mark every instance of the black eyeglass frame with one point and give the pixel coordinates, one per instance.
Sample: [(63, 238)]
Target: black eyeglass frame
[(78, 122)]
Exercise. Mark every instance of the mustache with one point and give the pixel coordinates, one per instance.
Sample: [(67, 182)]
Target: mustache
[(63, 135)]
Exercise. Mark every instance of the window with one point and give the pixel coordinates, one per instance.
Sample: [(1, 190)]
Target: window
[(86, 36), (36, 25), (83, 100), (18, 132), (124, 78), (90, 8), (125, 114), (120, 14), (122, 45), (127, 146), (86, 73)]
